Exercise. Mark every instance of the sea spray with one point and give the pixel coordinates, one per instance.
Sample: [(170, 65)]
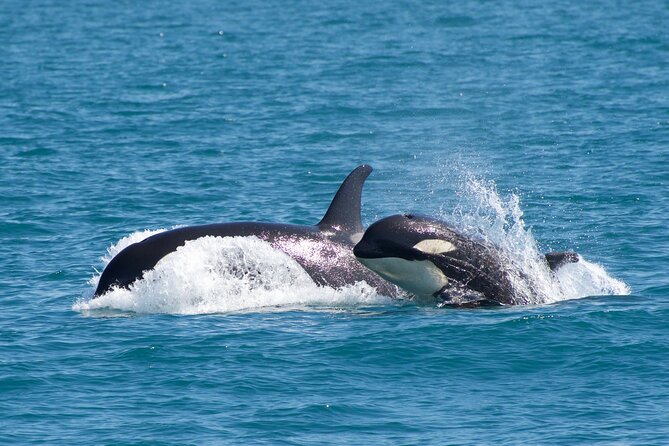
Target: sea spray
[(483, 212), (119, 246)]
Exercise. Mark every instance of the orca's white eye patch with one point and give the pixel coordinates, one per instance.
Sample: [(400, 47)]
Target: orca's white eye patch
[(434, 246)]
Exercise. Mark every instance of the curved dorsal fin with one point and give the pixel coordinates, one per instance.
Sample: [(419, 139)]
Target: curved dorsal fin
[(344, 211)]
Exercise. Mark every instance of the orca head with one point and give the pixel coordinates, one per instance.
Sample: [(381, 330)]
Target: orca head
[(405, 250), (426, 257)]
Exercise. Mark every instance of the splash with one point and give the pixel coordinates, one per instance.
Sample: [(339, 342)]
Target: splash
[(229, 274), (128, 240), (484, 213), (223, 274), (119, 246)]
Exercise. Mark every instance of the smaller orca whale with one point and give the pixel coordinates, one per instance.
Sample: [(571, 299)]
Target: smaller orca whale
[(426, 257), (324, 250)]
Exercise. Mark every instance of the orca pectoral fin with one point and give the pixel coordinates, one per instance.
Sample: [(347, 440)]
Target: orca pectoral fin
[(344, 211), (557, 259)]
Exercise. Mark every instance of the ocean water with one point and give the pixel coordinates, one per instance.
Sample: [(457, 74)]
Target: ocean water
[(539, 125)]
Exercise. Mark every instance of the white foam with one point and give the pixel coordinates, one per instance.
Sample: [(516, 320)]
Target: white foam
[(588, 279), (128, 240), (119, 246), (483, 212), (224, 274)]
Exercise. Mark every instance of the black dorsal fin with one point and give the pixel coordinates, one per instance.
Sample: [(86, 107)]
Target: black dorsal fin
[(344, 211)]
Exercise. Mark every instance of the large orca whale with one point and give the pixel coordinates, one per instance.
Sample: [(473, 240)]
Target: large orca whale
[(427, 257), (324, 250)]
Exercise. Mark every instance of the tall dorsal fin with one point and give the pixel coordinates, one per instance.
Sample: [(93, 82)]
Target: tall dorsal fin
[(344, 211)]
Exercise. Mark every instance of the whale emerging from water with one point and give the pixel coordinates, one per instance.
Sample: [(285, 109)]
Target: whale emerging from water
[(426, 257), (325, 250)]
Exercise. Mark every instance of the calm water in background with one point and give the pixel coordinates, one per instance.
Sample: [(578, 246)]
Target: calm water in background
[(120, 117)]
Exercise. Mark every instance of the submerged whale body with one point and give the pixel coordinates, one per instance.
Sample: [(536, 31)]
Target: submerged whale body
[(324, 250), (426, 257)]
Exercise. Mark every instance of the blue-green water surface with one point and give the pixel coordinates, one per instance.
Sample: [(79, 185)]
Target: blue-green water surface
[(116, 117)]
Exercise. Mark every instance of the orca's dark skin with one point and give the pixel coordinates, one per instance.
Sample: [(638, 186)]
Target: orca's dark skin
[(325, 250), (426, 257)]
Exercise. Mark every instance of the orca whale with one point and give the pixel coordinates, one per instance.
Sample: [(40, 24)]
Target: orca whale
[(426, 257), (324, 250)]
